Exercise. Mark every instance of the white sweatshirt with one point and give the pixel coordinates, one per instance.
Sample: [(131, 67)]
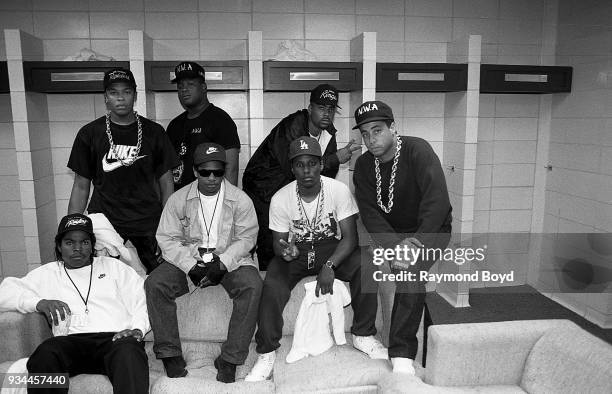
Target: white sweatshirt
[(311, 336), (116, 300)]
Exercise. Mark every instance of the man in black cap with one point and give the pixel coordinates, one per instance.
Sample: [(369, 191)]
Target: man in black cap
[(129, 159), (207, 232), (313, 223), (403, 200), (95, 306), (201, 122), (269, 168)]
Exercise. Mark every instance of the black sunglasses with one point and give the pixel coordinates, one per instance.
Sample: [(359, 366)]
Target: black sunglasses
[(206, 173)]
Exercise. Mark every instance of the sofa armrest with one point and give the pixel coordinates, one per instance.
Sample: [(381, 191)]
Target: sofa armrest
[(482, 353), (21, 334)]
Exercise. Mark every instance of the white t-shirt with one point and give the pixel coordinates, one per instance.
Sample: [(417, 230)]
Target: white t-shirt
[(323, 139), (286, 216), (209, 240)]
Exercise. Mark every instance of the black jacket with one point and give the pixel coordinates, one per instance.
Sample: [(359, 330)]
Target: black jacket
[(269, 169)]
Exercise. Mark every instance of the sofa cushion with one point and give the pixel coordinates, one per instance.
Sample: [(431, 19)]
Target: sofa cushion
[(394, 383), (339, 367), (205, 314), (568, 360)]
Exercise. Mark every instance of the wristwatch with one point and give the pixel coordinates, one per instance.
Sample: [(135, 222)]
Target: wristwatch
[(330, 264)]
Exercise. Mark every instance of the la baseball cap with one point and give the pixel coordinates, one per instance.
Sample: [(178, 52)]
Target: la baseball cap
[(208, 151), (115, 75), (304, 146), (188, 70), (75, 221), (325, 94), (371, 111)]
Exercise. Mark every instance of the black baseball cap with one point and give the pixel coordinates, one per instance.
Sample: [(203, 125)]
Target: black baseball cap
[(325, 94), (371, 111), (75, 221), (304, 146), (208, 151), (115, 75), (188, 70)]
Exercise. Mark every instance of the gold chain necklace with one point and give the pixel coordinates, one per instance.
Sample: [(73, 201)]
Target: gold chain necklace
[(318, 211), (113, 147), (391, 180)]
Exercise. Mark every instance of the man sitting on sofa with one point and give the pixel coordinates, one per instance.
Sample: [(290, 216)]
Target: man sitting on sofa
[(207, 232), (96, 306), (319, 213)]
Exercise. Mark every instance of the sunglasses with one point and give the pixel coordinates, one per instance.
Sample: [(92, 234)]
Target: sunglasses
[(206, 173)]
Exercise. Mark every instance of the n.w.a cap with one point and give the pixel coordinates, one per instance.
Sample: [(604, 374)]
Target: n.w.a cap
[(118, 75), (188, 70), (304, 146), (208, 151), (371, 111), (75, 221), (324, 94)]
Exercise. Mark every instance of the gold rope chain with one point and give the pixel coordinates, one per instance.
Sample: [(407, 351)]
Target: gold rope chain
[(113, 147), (391, 181)]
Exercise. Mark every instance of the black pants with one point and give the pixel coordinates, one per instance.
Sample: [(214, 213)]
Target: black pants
[(167, 283), (282, 277), (148, 251), (408, 307), (123, 361), (265, 252)]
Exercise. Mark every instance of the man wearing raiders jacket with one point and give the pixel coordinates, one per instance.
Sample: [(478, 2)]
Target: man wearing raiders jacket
[(269, 169), (403, 200), (128, 159), (96, 307)]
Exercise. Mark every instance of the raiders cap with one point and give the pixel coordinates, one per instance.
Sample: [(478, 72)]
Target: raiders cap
[(115, 75), (325, 94)]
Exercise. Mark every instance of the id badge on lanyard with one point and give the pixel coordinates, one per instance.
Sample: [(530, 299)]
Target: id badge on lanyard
[(311, 258)]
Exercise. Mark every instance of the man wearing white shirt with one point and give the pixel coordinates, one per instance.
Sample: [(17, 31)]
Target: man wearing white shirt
[(314, 233), (96, 306), (207, 233), (269, 169)]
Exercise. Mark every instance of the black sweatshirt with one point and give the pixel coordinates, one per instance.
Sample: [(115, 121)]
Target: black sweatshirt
[(421, 206)]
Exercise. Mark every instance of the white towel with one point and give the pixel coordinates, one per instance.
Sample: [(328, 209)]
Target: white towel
[(109, 242), (312, 334)]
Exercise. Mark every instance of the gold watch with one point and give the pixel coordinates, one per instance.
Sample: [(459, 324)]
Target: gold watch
[(330, 264)]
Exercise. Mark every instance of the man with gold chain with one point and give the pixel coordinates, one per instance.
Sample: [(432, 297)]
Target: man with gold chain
[(129, 161), (269, 169), (403, 200), (313, 223), (207, 233)]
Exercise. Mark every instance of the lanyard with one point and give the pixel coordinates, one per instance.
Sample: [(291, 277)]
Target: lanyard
[(85, 300)]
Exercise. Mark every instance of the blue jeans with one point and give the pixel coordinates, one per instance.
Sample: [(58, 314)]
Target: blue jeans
[(167, 282)]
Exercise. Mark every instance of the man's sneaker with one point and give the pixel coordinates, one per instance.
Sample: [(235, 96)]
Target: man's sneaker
[(226, 371), (262, 369), (175, 366), (370, 346), (402, 365)]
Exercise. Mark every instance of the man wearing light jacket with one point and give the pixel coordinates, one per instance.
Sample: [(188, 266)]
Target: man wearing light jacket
[(207, 233), (98, 304)]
